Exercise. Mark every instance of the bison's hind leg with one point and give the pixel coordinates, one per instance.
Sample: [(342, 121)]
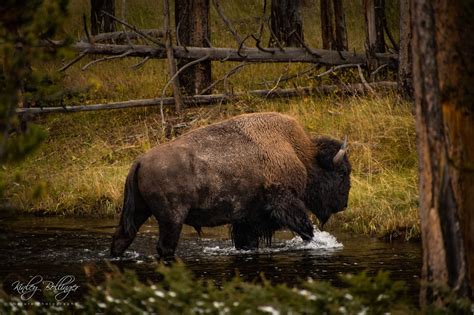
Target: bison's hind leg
[(123, 237), (170, 225), (244, 235)]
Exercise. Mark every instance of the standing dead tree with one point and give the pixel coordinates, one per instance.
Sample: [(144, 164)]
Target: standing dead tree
[(443, 45), (327, 25), (405, 57), (333, 25), (286, 23), (374, 25), (170, 57), (374, 31), (101, 23), (340, 23), (193, 29)]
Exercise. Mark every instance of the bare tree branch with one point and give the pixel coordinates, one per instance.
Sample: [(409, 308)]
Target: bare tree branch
[(351, 65), (125, 54), (364, 81), (372, 75), (257, 43), (390, 36), (291, 76), (308, 49), (86, 31), (273, 36), (226, 21), (73, 61), (232, 71), (133, 28), (141, 63)]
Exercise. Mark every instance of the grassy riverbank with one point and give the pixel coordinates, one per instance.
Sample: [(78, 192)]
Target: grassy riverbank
[(81, 168)]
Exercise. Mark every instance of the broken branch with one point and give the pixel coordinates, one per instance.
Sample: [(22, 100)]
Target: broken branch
[(133, 28), (227, 22), (125, 54)]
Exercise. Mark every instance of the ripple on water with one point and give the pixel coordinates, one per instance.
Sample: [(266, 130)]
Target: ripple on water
[(322, 241)]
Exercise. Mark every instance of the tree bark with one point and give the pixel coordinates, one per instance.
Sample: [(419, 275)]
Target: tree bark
[(286, 23), (101, 23), (192, 29), (374, 23), (340, 26), (443, 67), (405, 57), (327, 28)]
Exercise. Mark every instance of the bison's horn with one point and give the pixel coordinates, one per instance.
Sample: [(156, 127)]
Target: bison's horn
[(340, 154)]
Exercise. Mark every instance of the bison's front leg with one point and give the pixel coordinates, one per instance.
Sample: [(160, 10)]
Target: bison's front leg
[(289, 211), (244, 236)]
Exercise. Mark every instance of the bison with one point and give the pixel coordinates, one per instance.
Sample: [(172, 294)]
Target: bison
[(256, 172)]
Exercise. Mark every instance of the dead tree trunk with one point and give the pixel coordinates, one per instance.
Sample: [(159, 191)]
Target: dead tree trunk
[(286, 23), (192, 29), (327, 27), (374, 25), (374, 31), (100, 23), (443, 45), (171, 60), (340, 26), (405, 58)]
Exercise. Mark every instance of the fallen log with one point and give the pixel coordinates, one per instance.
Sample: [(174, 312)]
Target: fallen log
[(290, 54), (214, 98)]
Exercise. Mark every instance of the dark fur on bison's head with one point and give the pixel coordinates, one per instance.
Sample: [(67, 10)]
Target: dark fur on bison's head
[(328, 188)]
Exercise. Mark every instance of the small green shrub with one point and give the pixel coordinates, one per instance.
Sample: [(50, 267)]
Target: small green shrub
[(178, 292)]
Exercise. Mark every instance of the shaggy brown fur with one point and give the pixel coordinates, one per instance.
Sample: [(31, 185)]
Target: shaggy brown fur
[(258, 172)]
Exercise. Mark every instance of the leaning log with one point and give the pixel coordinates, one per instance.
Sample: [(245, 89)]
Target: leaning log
[(213, 98), (290, 54)]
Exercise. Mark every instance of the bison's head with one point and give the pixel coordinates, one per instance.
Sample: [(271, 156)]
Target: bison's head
[(329, 180)]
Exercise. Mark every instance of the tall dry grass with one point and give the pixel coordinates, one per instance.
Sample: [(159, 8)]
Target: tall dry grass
[(81, 167)]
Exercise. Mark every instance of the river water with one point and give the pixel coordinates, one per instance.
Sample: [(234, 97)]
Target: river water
[(53, 247)]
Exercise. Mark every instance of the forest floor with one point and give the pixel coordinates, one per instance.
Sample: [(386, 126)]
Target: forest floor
[(81, 167)]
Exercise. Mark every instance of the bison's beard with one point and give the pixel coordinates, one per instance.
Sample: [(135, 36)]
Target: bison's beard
[(323, 217)]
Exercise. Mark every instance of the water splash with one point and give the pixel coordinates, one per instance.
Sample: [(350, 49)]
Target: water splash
[(128, 255), (322, 241)]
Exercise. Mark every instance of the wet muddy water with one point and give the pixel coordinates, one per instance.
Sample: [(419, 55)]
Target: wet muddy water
[(56, 246)]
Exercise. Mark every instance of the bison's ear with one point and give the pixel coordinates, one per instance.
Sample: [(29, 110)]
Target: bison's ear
[(329, 152)]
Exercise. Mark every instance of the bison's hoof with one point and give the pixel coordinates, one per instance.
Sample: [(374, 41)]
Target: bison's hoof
[(166, 254)]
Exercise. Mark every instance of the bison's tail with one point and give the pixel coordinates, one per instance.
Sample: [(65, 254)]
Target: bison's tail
[(131, 200)]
